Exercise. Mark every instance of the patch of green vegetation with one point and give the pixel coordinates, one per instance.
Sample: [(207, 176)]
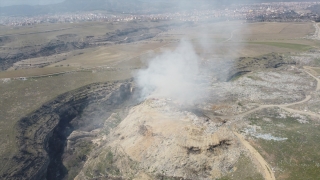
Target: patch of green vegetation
[(299, 47), (163, 177), (297, 157), (255, 78), (112, 123), (75, 162), (243, 169), (107, 165), (246, 65), (104, 166), (317, 63), (237, 76)]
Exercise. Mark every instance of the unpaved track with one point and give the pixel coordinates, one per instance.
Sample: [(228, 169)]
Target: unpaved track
[(231, 36), (317, 33), (264, 166), (318, 80), (284, 106), (301, 112)]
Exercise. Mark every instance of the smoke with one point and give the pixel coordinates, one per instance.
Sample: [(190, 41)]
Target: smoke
[(186, 73), (173, 74)]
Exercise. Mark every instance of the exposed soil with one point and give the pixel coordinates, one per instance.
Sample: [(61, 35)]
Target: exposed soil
[(158, 138)]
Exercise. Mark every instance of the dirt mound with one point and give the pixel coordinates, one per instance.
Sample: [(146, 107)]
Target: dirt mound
[(160, 140)]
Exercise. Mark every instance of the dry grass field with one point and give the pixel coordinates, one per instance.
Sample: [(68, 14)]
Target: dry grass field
[(110, 55), (233, 39), (278, 31), (35, 72), (43, 33)]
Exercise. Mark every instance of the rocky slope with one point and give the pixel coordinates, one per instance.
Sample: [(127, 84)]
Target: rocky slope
[(160, 140), (8, 56), (42, 134)]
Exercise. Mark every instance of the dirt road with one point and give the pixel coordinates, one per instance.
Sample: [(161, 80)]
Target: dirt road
[(317, 32), (318, 80), (231, 36), (263, 165), (285, 106)]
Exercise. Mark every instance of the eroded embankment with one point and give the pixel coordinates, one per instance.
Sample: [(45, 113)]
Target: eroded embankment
[(42, 134)]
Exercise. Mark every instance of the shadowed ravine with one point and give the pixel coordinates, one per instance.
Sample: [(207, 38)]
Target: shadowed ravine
[(42, 134)]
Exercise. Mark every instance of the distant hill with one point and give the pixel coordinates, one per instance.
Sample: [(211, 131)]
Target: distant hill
[(120, 6), (85, 5), (17, 10)]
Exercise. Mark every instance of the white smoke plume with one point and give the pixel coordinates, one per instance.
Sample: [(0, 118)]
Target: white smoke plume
[(173, 74)]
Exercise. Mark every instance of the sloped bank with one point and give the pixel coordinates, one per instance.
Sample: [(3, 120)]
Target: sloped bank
[(42, 135)]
